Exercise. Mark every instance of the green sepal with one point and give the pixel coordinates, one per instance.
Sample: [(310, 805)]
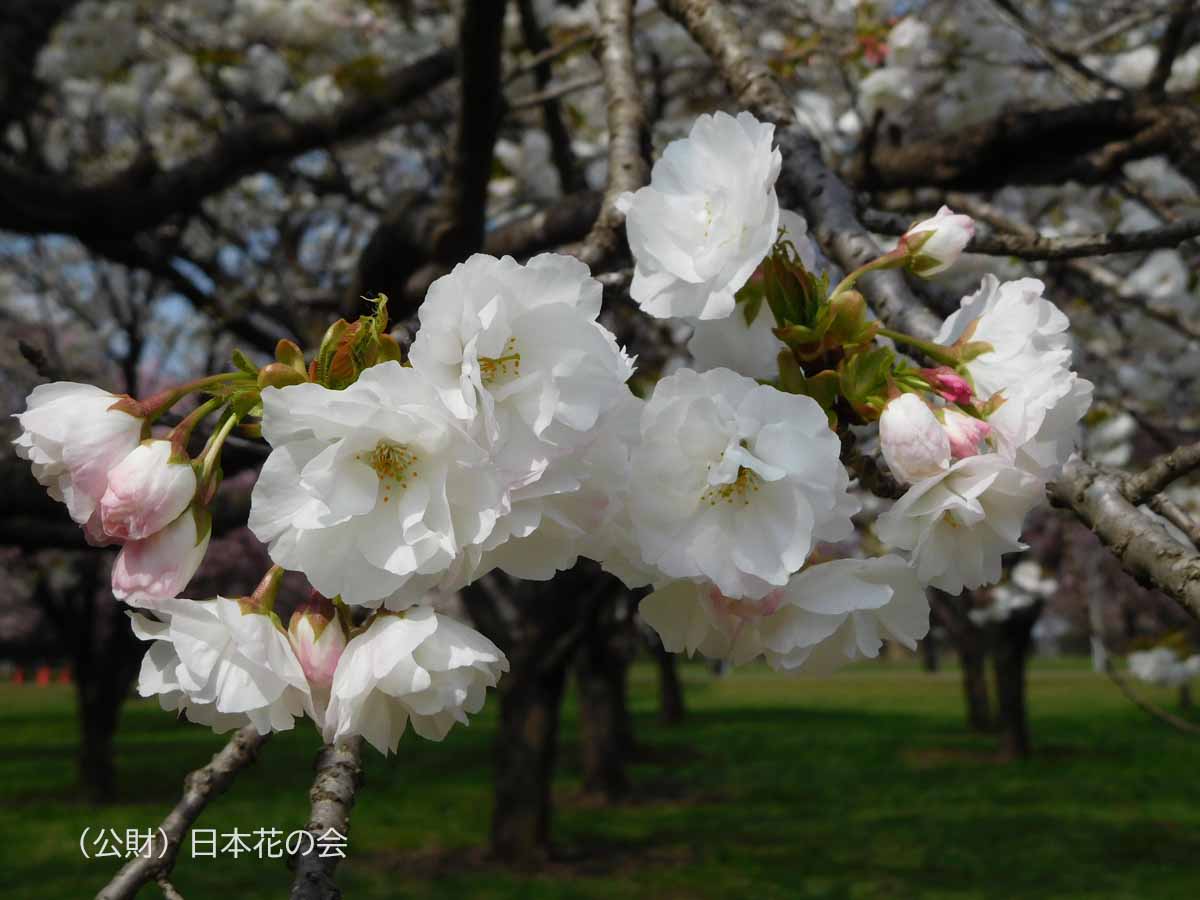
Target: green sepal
[(242, 361), (864, 380)]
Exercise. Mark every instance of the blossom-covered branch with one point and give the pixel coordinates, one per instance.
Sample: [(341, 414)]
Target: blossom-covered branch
[(200, 788)]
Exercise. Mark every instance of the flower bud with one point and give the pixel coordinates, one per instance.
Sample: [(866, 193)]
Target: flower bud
[(160, 566), (965, 432), (146, 492), (935, 244), (912, 440), (948, 384), (318, 640)]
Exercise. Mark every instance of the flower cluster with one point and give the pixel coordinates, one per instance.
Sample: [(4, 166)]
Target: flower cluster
[(508, 438)]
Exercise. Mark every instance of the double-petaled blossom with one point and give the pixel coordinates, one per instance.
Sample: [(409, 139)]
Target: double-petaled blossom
[(146, 491), (75, 435), (734, 481), (913, 442), (707, 218), (416, 666), (222, 663), (958, 523), (935, 244), (749, 346), (1027, 365), (519, 346), (827, 614), (371, 489), (159, 567)]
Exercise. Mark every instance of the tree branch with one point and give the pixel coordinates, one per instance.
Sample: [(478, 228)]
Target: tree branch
[(462, 204), (1172, 43), (1036, 246), (143, 196), (1142, 546), (339, 775), (199, 789), (570, 176), (1161, 472), (805, 180), (627, 170)]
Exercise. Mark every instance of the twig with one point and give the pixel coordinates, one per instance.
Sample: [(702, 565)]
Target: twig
[(1181, 725), (627, 168), (339, 775), (1169, 510), (1068, 65), (554, 92), (199, 789), (570, 176), (1161, 472), (1037, 246)]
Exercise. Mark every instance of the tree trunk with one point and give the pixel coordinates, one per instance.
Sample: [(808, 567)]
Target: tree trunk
[(1010, 655), (526, 750), (538, 625), (929, 653), (975, 688), (605, 728), (670, 688)]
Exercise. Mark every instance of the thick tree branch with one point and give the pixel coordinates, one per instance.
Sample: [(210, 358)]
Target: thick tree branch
[(199, 789), (1088, 142), (144, 196), (627, 170), (339, 775), (1142, 546)]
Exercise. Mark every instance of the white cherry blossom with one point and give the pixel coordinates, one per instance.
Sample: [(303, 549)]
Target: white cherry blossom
[(520, 346), (370, 489), (734, 481), (221, 665), (74, 438), (958, 523), (827, 614), (418, 666), (707, 218)]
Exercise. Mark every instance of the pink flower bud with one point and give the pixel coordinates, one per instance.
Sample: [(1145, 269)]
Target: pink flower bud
[(146, 492), (965, 433), (160, 566), (912, 440), (75, 434), (936, 243), (318, 640), (948, 384)]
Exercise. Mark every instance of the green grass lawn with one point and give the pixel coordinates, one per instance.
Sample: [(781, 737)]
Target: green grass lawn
[(861, 785)]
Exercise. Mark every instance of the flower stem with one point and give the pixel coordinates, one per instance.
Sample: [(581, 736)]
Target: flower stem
[(212, 450), (158, 404), (182, 432), (934, 351), (890, 260)]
